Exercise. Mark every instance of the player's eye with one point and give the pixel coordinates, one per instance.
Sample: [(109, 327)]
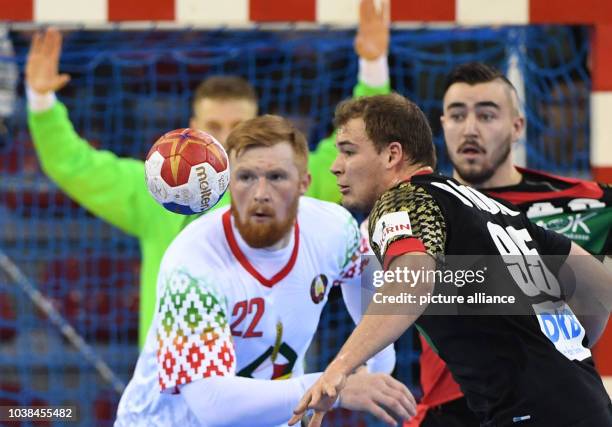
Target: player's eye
[(245, 176), (486, 117), (277, 176), (457, 117)]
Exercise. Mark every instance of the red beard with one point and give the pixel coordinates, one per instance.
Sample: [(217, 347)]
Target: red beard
[(264, 235)]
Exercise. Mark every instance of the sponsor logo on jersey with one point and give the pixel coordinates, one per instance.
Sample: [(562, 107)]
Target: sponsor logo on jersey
[(573, 226), (561, 326), (318, 287), (389, 226)]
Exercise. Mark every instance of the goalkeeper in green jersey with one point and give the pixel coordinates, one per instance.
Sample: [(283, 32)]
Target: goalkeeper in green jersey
[(113, 188)]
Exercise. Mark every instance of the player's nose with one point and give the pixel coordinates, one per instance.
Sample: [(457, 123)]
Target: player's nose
[(470, 125), (261, 192), (337, 166)]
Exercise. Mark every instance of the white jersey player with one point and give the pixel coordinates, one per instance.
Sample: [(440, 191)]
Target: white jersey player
[(240, 294)]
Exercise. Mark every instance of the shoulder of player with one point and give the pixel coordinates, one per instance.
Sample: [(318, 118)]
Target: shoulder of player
[(324, 222), (537, 176), (205, 222), (203, 233), (196, 253), (322, 213), (575, 186), (407, 195), (412, 202), (426, 195)]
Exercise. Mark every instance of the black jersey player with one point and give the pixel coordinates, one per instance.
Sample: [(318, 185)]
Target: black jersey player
[(509, 370)]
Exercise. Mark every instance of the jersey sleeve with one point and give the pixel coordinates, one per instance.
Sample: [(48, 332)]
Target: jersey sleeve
[(406, 219), (193, 336), (108, 186), (550, 242), (362, 89)]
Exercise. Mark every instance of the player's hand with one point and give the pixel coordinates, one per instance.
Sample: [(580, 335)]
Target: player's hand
[(372, 39), (42, 66), (379, 394), (320, 397)]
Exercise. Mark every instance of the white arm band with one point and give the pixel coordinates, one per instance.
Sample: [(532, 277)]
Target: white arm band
[(374, 73), (37, 102), (238, 401), (384, 361)]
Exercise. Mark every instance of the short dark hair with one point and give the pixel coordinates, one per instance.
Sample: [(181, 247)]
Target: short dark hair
[(474, 73), (267, 131), (224, 88), (390, 118)]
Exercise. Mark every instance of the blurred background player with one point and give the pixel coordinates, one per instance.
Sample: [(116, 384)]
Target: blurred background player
[(504, 363), (107, 185), (482, 121), (112, 187), (270, 260), (220, 103)]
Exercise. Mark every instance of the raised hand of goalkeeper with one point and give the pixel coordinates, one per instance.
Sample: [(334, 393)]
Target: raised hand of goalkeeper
[(42, 66), (372, 39)]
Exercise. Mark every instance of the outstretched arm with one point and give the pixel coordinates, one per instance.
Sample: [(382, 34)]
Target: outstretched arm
[(253, 402), (106, 185), (257, 402), (212, 385), (375, 332), (588, 285)]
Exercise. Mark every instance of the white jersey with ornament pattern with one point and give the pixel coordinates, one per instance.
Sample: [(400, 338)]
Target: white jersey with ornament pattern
[(225, 309)]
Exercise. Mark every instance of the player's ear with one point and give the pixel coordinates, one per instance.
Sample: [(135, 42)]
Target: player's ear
[(305, 180), (518, 128), (395, 154), (192, 123)]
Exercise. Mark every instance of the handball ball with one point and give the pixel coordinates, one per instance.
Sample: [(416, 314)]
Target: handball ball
[(187, 171)]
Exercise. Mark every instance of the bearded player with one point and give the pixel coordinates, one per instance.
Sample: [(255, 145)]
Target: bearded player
[(240, 293), (481, 122), (111, 187)]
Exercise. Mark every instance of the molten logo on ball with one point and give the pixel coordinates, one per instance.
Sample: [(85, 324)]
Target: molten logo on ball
[(205, 191), (187, 171)]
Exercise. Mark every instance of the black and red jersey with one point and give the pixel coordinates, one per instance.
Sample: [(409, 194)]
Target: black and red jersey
[(509, 367), (580, 210)]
